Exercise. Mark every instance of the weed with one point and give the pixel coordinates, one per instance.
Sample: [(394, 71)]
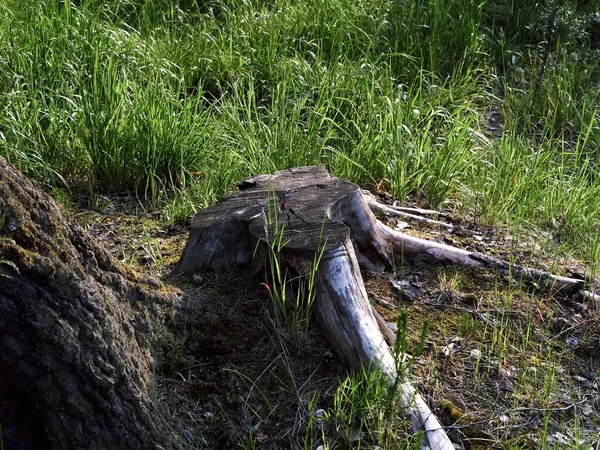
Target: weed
[(153, 252), (293, 308)]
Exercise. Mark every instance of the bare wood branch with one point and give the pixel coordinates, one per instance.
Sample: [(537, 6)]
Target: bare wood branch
[(390, 210)]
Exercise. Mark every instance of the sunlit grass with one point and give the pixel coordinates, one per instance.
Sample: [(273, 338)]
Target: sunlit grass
[(164, 98), (172, 99), (175, 101)]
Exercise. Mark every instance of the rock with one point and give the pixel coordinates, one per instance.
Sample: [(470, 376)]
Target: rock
[(572, 341), (197, 278), (407, 291)]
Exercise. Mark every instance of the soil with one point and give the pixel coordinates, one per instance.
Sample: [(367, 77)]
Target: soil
[(503, 366)]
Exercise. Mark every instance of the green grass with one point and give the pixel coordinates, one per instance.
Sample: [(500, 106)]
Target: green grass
[(178, 100)]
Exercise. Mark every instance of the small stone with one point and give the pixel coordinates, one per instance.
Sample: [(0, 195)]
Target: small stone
[(400, 225), (587, 410), (475, 354), (503, 418), (407, 291), (572, 341), (588, 375), (558, 439), (208, 415), (197, 278), (453, 347), (506, 386), (583, 381), (531, 369)]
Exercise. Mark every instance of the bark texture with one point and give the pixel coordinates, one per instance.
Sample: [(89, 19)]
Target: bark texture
[(310, 211), (76, 332)]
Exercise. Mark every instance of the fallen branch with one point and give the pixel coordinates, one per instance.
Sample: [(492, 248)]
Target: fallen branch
[(392, 211)]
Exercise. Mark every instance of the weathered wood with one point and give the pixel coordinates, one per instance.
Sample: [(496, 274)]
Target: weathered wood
[(313, 210), (434, 251), (310, 211), (390, 210)]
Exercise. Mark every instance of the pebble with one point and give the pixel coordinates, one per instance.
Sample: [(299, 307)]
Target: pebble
[(475, 354), (589, 375), (197, 278), (572, 341), (583, 381)]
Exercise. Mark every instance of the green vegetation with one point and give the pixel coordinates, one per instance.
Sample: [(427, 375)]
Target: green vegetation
[(292, 294), (490, 109), (491, 106), (7, 262)]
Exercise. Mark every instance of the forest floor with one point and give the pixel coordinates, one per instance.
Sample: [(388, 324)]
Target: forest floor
[(503, 366)]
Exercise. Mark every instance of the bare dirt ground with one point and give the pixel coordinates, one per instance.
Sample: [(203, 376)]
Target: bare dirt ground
[(503, 366)]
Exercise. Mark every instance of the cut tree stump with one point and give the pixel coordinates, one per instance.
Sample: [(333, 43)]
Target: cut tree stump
[(316, 211), (76, 333)]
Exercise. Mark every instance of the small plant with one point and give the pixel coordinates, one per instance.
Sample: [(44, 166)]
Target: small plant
[(63, 196), (365, 410), (290, 307), (6, 261), (449, 286), (179, 209), (403, 359), (153, 252), (467, 324)]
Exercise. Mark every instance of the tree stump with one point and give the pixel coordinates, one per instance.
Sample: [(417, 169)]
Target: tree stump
[(318, 212), (76, 333), (315, 212)]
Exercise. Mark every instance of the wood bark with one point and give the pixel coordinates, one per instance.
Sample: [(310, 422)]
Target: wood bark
[(314, 212), (76, 333)]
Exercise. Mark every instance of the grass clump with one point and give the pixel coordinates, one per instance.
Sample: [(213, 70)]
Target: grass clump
[(488, 109), (182, 99)]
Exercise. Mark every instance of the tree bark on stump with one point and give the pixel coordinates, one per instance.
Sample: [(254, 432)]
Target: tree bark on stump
[(76, 333), (315, 211)]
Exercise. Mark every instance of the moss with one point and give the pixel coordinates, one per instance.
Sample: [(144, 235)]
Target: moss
[(451, 410)]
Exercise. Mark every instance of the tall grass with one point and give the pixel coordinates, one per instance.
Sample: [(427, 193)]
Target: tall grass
[(177, 100)]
